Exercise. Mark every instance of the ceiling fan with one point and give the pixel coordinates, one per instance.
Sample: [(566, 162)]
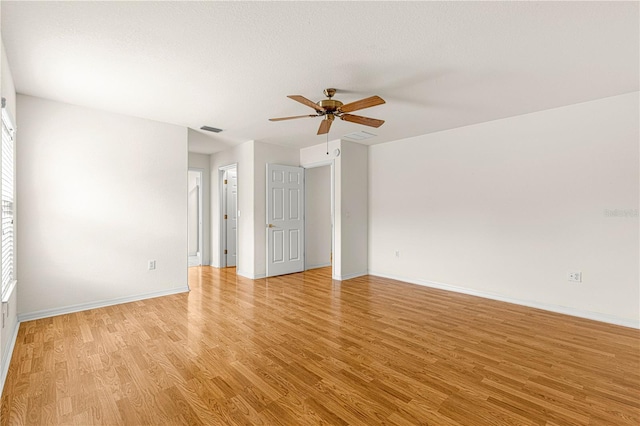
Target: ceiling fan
[(332, 108)]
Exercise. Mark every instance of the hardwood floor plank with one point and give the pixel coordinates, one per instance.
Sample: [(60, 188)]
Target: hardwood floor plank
[(303, 349)]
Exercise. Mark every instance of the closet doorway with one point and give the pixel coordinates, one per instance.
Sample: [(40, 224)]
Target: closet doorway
[(194, 217), (319, 216)]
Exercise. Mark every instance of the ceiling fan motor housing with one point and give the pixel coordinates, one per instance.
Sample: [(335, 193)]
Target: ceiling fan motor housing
[(330, 105)]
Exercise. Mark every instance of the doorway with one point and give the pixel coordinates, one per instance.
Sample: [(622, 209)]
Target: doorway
[(229, 216), (319, 216), (194, 217)]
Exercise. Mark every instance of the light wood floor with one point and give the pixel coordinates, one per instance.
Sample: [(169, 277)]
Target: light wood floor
[(301, 349)]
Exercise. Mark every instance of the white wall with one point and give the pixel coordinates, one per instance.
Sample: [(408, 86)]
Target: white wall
[(266, 153), (242, 155), (507, 208), (318, 232), (205, 144), (203, 162), (100, 195), (10, 327)]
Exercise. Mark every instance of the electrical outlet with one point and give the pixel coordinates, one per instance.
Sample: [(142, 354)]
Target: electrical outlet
[(397, 253), (152, 265), (575, 277)]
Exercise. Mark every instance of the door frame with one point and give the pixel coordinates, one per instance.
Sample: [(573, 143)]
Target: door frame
[(200, 213), (330, 163), (222, 260)]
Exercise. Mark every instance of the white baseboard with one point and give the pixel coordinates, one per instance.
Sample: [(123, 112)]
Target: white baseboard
[(596, 316), (250, 276), (349, 276), (46, 313), (4, 369)]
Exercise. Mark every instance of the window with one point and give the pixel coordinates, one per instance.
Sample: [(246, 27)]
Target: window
[(7, 191)]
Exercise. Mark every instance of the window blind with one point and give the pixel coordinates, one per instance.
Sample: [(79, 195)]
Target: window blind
[(6, 196)]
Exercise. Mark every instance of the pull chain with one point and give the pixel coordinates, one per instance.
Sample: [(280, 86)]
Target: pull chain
[(327, 143)]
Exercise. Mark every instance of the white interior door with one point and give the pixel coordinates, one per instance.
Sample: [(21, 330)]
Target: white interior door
[(285, 219), (231, 216)]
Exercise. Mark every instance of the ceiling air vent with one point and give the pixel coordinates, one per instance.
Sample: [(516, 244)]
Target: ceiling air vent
[(211, 129), (359, 136)]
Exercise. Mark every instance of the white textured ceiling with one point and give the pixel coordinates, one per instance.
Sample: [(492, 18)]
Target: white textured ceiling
[(230, 65)]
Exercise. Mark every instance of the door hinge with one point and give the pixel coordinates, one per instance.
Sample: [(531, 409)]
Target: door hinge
[(225, 181), (225, 216), (225, 252)]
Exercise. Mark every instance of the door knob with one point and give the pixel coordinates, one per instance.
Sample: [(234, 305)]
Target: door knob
[(271, 225)]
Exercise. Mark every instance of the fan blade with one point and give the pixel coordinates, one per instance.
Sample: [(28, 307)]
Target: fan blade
[(325, 125), (306, 102), (362, 104), (291, 118), (373, 122)]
